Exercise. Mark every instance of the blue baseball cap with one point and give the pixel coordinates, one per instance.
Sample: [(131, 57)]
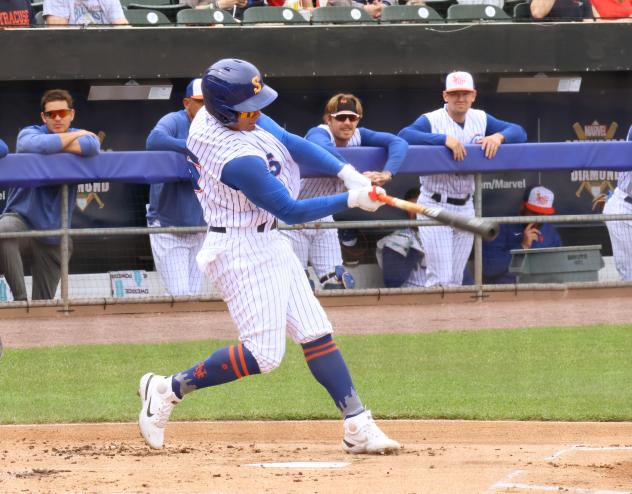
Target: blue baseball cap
[(194, 89)]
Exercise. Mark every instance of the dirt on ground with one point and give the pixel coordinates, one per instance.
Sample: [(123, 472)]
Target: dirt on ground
[(238, 457), (306, 457)]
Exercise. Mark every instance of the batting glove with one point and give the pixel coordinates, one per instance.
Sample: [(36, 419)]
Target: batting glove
[(359, 198), (352, 178)]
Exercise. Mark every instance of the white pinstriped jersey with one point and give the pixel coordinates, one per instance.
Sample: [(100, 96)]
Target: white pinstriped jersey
[(316, 187), (624, 182), (215, 145), (455, 185)]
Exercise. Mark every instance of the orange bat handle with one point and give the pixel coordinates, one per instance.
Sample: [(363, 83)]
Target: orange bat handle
[(486, 228)]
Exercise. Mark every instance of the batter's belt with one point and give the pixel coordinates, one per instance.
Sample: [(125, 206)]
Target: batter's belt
[(260, 228)]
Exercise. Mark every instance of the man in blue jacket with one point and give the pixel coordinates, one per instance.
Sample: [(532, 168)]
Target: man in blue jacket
[(176, 204), (497, 253), (39, 208)]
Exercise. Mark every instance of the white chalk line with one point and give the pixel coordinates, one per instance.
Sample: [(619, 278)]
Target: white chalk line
[(580, 447), (506, 483), (553, 488), (313, 465)]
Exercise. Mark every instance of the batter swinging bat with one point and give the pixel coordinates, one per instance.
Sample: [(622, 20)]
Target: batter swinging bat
[(480, 226)]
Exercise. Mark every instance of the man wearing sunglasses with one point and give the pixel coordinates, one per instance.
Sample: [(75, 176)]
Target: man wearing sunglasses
[(249, 176), (176, 204), (321, 247), (39, 208), (453, 126)]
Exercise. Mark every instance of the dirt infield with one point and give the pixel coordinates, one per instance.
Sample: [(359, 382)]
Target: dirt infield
[(233, 457), (438, 457)]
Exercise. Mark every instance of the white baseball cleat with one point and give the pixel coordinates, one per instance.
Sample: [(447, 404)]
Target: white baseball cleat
[(363, 436), (157, 401)]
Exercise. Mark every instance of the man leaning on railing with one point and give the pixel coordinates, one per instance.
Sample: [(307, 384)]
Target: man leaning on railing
[(39, 208)]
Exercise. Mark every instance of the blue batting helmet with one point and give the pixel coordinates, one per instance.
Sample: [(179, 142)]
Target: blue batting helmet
[(230, 86)]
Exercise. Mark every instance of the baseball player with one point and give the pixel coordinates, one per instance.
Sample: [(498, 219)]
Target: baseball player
[(39, 208), (453, 126), (400, 254), (321, 248), (497, 253), (176, 204), (248, 177), (620, 202)]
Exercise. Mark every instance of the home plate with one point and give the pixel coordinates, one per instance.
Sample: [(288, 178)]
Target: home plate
[(317, 465)]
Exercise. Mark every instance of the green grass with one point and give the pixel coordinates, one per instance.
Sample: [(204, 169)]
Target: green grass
[(550, 374)]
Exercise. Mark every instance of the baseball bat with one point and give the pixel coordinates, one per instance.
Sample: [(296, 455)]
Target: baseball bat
[(612, 130), (579, 131), (485, 228)]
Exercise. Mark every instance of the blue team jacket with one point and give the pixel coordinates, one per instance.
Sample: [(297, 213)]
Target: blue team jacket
[(173, 203), (497, 253), (40, 207)]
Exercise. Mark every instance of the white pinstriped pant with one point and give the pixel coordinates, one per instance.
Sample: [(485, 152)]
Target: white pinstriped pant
[(266, 290), (447, 248), (174, 257), (320, 248), (620, 233)]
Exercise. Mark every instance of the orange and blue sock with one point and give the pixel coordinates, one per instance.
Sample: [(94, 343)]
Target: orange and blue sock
[(225, 365), (329, 368)]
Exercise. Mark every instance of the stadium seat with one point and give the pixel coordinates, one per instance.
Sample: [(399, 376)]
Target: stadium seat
[(468, 13), (170, 10), (340, 15), (205, 17), (147, 3), (273, 15), (522, 12), (145, 17), (410, 13), (39, 19), (37, 6)]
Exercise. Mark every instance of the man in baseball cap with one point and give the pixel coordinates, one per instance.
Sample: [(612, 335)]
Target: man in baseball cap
[(194, 90), (497, 253), (540, 201), (459, 81), (175, 203), (455, 125)]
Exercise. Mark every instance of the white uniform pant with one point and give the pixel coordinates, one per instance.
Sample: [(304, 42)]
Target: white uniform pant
[(266, 290), (175, 260), (620, 233), (320, 248), (447, 248)]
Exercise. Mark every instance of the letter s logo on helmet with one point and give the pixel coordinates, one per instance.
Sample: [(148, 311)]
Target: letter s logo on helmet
[(230, 86), (256, 84)]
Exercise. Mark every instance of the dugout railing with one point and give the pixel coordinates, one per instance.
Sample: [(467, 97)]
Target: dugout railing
[(38, 170)]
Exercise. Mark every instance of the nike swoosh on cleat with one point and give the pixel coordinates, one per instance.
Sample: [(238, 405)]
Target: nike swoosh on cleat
[(149, 414), (351, 445), (147, 385)]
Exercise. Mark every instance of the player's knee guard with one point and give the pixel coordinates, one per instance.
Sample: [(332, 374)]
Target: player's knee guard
[(338, 279)]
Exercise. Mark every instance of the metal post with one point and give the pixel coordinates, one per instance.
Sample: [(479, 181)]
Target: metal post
[(64, 246), (478, 241)]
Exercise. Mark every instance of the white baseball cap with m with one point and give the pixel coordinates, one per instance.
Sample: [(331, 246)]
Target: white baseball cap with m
[(459, 81)]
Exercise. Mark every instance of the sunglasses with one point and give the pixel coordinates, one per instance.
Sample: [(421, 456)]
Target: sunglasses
[(342, 118), (52, 114), (242, 115)]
